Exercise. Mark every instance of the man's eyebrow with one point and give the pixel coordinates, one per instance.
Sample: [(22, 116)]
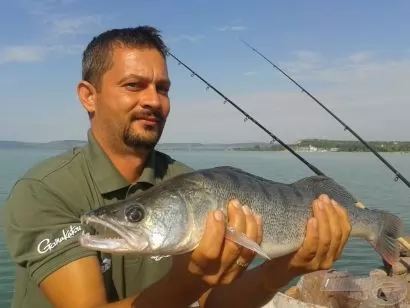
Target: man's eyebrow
[(162, 81), (135, 76)]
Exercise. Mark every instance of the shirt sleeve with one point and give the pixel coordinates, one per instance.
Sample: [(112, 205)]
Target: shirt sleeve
[(41, 231)]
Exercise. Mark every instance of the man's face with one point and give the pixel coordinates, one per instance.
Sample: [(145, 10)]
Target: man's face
[(133, 101)]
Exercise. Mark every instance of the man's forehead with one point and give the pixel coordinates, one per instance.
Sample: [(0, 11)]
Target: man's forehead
[(137, 53), (139, 61)]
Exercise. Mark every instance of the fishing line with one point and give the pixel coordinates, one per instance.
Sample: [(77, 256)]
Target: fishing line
[(248, 116), (346, 127), (274, 138)]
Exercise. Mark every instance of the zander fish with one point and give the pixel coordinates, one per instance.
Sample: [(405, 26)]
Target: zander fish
[(169, 218)]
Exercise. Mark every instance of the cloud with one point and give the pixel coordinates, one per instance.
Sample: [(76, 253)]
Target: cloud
[(69, 25), (23, 53), (185, 37), (308, 56), (359, 72), (231, 28), (60, 31), (43, 7), (35, 53), (304, 60), (250, 73), (360, 57)]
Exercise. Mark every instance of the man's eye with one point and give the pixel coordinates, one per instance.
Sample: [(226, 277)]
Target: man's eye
[(163, 90), (132, 86)]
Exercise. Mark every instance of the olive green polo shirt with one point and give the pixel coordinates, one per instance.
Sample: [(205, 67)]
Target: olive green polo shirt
[(41, 220)]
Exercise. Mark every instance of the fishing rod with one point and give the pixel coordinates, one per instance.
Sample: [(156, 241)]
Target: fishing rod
[(346, 127), (249, 117)]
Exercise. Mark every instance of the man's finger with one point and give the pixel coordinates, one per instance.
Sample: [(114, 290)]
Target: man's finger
[(251, 233), (259, 222), (335, 232), (237, 220), (345, 227), (211, 243), (309, 247), (324, 231)]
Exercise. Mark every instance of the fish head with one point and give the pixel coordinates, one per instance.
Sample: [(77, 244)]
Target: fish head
[(154, 223)]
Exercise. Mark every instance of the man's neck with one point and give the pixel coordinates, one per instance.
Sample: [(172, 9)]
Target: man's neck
[(129, 162), (129, 165)]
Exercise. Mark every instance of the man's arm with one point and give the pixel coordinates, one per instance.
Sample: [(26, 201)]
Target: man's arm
[(326, 235), (80, 284)]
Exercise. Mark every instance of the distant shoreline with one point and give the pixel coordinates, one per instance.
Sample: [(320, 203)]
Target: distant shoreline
[(303, 145), (326, 145)]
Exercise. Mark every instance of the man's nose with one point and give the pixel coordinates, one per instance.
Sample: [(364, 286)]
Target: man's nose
[(150, 97)]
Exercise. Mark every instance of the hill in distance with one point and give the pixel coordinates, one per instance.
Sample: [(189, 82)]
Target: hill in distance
[(66, 144), (301, 145)]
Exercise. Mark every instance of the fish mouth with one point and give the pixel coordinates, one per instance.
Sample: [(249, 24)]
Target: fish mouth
[(110, 237)]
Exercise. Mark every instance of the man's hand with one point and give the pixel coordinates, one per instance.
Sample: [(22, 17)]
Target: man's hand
[(326, 236), (217, 260), (327, 233)]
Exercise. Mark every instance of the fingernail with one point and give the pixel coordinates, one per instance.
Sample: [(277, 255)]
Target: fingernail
[(320, 204), (334, 203), (246, 210), (219, 215), (235, 203), (325, 198), (314, 223), (258, 219)]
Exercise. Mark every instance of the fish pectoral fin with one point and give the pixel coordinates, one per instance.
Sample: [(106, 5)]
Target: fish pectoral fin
[(241, 239)]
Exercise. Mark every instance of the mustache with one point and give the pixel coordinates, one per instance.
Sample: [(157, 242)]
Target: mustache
[(148, 115)]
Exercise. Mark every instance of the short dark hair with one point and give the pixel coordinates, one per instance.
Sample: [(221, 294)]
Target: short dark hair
[(97, 55)]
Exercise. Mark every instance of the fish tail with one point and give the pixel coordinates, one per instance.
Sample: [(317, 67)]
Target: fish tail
[(385, 241)]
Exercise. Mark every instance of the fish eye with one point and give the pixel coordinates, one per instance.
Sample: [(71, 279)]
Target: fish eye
[(134, 213)]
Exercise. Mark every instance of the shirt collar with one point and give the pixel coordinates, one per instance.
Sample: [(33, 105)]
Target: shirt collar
[(106, 175)]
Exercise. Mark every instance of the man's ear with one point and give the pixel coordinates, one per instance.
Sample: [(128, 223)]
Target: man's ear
[(88, 96)]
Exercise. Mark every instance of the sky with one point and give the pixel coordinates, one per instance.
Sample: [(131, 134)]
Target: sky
[(354, 56)]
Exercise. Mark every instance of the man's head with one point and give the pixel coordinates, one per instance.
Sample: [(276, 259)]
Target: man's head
[(125, 86)]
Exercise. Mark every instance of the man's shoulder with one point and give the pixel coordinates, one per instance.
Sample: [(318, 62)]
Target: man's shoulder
[(55, 164), (170, 166), (54, 190), (56, 172)]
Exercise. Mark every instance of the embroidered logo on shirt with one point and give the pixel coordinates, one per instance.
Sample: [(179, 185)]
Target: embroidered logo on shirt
[(47, 244)]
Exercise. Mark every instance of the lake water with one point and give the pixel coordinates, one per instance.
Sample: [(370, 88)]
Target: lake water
[(362, 173)]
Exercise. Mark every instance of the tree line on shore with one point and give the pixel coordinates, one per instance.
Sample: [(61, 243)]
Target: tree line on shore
[(313, 145)]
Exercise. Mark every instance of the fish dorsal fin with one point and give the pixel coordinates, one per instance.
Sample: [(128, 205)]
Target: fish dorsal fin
[(239, 171), (241, 239), (311, 180), (228, 168), (321, 184)]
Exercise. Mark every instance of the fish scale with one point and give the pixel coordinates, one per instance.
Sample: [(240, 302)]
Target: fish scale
[(263, 195)]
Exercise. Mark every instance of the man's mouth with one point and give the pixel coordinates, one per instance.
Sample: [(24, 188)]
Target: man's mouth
[(150, 120)]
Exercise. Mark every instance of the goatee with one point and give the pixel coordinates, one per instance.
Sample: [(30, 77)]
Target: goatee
[(146, 139)]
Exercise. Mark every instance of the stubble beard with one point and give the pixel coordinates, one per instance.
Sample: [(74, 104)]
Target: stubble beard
[(147, 139)]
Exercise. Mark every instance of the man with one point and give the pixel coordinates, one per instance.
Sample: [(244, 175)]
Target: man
[(124, 89)]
